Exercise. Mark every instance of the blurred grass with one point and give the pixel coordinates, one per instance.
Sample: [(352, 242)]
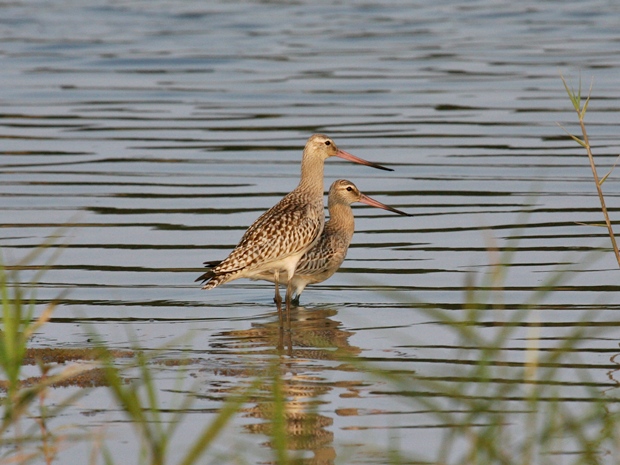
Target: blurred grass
[(25, 412), (25, 435), (499, 411), (505, 411)]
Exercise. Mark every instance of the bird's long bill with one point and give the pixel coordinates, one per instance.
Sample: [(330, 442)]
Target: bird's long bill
[(375, 203), (347, 156)]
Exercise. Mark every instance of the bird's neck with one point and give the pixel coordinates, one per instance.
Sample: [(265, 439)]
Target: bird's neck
[(312, 175), (341, 219)]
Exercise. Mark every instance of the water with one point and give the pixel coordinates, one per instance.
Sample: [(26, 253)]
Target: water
[(161, 130)]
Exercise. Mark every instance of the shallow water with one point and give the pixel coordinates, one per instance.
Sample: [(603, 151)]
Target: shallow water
[(160, 131)]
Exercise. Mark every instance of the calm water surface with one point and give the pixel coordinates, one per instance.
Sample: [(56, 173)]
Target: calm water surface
[(161, 130)]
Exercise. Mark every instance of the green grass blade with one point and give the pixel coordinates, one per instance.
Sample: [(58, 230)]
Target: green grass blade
[(582, 113), (604, 178), (211, 431), (575, 138), (574, 98), (578, 140), (278, 421)]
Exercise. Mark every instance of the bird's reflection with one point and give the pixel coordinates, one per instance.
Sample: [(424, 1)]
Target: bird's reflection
[(311, 334), (295, 352)]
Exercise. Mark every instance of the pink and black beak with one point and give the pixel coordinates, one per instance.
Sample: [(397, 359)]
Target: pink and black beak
[(347, 156), (375, 203)]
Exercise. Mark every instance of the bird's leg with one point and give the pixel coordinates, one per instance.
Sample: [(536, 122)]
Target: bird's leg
[(277, 298), (280, 345), (289, 296)]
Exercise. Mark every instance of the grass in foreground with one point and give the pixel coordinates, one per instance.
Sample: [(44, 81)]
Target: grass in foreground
[(25, 434)]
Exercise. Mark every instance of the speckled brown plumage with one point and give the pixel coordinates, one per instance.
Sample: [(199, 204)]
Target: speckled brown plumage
[(279, 237), (325, 257), (290, 227)]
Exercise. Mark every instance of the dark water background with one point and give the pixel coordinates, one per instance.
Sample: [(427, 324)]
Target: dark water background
[(162, 129)]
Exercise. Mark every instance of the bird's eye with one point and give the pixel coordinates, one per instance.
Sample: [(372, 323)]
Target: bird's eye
[(349, 188), (328, 142)]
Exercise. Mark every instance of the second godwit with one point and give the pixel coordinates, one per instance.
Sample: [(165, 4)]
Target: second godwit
[(279, 237), (325, 257)]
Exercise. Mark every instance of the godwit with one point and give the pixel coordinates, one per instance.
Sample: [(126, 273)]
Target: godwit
[(280, 236), (325, 257)]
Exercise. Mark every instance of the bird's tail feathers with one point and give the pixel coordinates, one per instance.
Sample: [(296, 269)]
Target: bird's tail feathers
[(210, 279), (207, 277)]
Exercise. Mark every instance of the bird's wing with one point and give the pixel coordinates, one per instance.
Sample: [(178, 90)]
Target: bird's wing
[(328, 254), (286, 229)]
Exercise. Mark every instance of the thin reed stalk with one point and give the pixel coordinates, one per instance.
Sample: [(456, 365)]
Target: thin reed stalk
[(575, 98)]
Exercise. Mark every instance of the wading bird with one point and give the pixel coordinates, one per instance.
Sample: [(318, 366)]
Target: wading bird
[(325, 257), (280, 236)]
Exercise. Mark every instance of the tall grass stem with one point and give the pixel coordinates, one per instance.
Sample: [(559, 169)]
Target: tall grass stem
[(575, 98)]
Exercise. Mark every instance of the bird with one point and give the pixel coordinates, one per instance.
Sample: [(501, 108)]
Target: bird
[(276, 241), (325, 257)]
